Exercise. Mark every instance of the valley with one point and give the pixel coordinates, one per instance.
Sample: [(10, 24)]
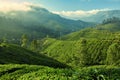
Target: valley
[(37, 44)]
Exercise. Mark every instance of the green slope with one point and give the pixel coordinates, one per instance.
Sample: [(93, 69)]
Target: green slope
[(102, 31), (84, 52), (33, 72), (91, 46), (112, 27), (13, 54)]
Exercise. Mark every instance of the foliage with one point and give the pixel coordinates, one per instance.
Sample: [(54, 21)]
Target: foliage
[(24, 41), (34, 72)]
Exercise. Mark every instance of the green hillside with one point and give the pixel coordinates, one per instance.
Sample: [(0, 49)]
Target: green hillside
[(84, 52), (13, 54), (48, 40), (102, 31), (90, 46), (33, 72)]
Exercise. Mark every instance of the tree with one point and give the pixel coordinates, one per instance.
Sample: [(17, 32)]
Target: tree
[(24, 40), (33, 45)]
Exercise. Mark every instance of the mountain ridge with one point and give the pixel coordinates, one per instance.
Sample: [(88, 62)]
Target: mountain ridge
[(38, 22), (102, 15)]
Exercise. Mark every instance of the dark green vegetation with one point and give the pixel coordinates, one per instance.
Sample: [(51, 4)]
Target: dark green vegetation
[(36, 23), (33, 72), (12, 54)]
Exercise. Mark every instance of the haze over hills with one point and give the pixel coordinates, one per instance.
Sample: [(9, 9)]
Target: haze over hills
[(102, 15), (37, 22), (96, 16)]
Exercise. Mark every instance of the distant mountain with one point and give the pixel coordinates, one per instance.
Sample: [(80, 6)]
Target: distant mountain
[(37, 23), (100, 16)]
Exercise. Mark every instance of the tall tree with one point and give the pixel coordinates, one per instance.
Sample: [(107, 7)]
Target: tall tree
[(24, 40)]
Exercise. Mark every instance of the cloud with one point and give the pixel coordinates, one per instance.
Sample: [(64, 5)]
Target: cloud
[(15, 5), (78, 13)]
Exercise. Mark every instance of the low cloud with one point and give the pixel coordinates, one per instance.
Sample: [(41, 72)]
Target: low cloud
[(12, 5), (78, 13)]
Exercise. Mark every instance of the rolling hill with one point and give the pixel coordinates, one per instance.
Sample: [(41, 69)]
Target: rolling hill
[(36, 44), (13, 54), (84, 52), (101, 31), (90, 46)]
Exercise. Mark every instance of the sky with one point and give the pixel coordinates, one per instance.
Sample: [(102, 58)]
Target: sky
[(73, 5), (63, 7)]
